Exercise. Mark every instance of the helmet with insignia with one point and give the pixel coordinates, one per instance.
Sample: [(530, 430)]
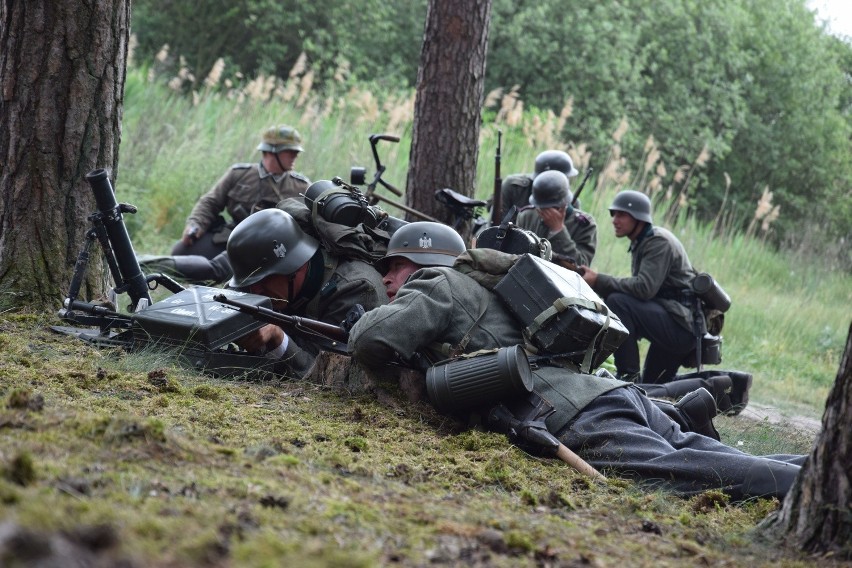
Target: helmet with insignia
[(550, 189), (634, 203), (279, 138), (424, 243), (268, 242), (555, 160)]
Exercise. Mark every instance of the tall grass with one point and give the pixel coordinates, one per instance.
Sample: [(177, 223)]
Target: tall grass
[(789, 317)]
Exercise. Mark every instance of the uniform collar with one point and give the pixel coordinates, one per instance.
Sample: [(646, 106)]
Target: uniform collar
[(648, 230), (265, 174)]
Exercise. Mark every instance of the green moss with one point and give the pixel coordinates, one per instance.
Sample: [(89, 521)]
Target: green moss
[(356, 443), (206, 392), (519, 541), (21, 469)]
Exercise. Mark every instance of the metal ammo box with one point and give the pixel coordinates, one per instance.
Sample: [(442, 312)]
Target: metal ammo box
[(191, 319), (562, 313)]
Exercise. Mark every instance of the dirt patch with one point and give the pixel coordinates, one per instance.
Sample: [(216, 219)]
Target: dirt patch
[(762, 412)]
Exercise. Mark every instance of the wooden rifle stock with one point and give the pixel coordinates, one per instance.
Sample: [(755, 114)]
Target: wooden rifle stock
[(335, 333)]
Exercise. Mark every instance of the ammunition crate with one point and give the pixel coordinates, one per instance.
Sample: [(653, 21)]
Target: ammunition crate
[(191, 319), (533, 286)]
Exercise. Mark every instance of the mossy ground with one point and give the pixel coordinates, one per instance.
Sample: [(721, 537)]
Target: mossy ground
[(182, 469)]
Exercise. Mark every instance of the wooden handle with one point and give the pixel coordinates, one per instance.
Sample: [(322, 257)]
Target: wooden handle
[(578, 463)]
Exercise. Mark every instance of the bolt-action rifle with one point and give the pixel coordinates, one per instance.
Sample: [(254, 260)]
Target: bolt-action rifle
[(497, 199), (575, 202), (335, 335)]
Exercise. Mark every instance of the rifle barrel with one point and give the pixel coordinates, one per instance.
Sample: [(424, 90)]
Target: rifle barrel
[(332, 332)]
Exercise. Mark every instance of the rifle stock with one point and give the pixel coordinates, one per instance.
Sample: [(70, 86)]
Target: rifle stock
[(566, 261), (336, 334)]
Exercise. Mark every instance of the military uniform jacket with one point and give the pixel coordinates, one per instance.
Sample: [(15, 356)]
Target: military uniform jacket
[(244, 189), (345, 282), (516, 190), (660, 267), (438, 307), (577, 239)]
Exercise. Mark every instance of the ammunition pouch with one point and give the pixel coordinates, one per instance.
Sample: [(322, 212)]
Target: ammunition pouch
[(219, 230), (711, 352), (479, 381)]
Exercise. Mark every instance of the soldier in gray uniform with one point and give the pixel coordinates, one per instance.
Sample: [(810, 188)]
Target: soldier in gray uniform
[(609, 423), (573, 234), (273, 257), (649, 302), (244, 189), (516, 189)]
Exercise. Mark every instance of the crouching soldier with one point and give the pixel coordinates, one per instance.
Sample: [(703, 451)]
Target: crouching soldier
[(438, 309)]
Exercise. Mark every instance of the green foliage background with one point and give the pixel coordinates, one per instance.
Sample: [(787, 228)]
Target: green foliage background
[(758, 84)]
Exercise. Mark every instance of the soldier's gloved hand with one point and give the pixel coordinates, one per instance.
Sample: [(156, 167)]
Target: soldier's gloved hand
[(269, 341), (352, 317), (191, 233)]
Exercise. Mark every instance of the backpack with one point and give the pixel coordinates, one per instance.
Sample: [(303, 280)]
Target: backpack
[(561, 315), (342, 241)]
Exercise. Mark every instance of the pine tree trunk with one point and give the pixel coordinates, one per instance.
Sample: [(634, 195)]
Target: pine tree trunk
[(62, 72), (450, 87), (816, 516)]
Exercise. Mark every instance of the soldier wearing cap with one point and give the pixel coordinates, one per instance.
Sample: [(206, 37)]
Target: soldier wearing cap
[(244, 189), (573, 234)]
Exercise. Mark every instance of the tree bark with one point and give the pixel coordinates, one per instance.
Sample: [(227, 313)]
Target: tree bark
[(450, 87), (62, 73), (816, 516)]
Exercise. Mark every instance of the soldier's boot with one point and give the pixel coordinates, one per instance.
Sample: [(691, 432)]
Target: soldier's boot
[(694, 412), (699, 409), (720, 386), (741, 384)]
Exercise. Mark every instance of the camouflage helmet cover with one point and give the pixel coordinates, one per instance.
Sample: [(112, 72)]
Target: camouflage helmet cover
[(268, 242), (424, 243), (279, 138), (555, 160)]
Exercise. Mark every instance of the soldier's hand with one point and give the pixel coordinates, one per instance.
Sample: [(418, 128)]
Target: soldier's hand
[(262, 341), (553, 218), (589, 275), (191, 233)]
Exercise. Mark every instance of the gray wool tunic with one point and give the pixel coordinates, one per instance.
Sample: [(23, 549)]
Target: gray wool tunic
[(658, 262), (438, 306)]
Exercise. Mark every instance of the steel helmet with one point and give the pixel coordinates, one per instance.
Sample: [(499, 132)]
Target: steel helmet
[(635, 203), (555, 160), (550, 189), (268, 242), (279, 138), (425, 243)]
